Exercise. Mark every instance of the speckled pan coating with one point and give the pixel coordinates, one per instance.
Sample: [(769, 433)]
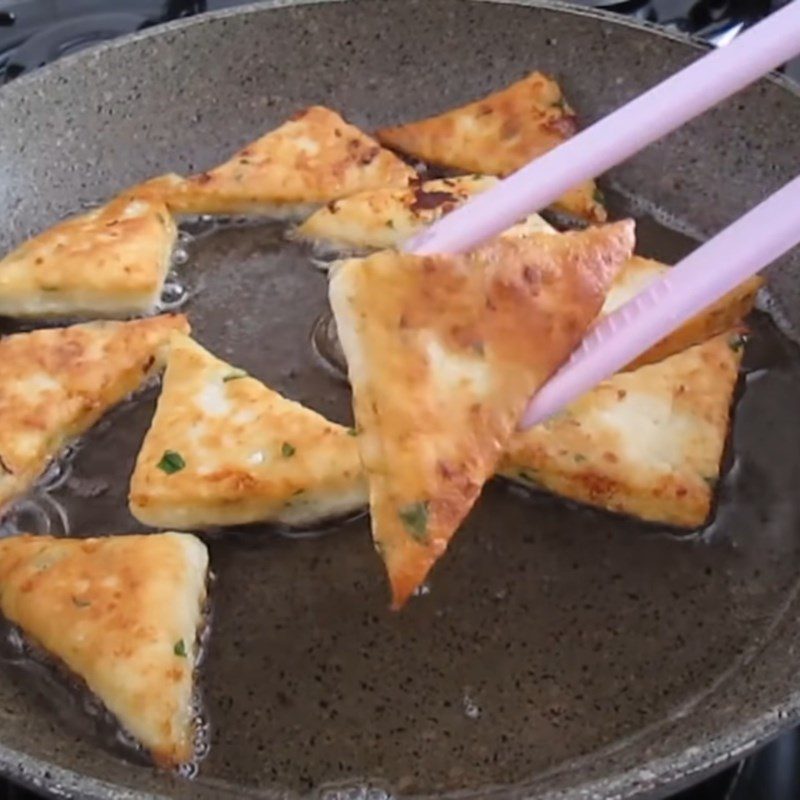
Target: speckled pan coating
[(605, 660)]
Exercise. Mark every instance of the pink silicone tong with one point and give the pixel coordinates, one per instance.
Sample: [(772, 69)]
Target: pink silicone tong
[(748, 245)]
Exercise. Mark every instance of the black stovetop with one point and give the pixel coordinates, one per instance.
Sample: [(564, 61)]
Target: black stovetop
[(36, 32)]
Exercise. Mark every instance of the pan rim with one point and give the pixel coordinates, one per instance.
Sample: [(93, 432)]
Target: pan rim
[(259, 6), (654, 778)]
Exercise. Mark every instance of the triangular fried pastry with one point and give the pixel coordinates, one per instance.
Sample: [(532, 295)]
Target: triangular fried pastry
[(646, 443), (443, 354), (122, 614), (638, 273), (499, 134), (109, 262), (385, 218), (223, 449), (312, 159), (55, 383)]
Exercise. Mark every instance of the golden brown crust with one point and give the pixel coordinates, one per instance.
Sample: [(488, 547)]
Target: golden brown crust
[(246, 453), (313, 158), (156, 189), (646, 442), (122, 613), (499, 134), (108, 262), (384, 218), (443, 354), (55, 383), (728, 311)]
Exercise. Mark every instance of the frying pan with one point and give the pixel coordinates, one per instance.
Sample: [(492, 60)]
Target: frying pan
[(561, 651)]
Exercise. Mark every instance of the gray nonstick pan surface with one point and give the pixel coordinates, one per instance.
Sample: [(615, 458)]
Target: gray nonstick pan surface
[(560, 652)]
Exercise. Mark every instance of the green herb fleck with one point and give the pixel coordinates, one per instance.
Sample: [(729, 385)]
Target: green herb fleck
[(352, 431), (80, 603), (288, 450), (528, 475), (737, 342), (560, 103), (415, 518), (711, 480), (598, 196), (297, 492), (579, 458), (390, 223), (234, 376), (180, 648), (171, 462)]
